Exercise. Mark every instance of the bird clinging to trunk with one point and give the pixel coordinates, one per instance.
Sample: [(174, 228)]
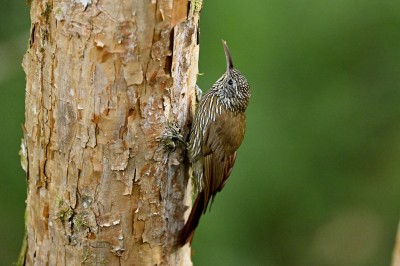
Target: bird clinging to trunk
[(216, 134)]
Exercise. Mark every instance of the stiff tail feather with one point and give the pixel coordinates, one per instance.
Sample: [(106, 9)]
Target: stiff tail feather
[(194, 217)]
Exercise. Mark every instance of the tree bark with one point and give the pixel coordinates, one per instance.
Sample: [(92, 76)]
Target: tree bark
[(396, 251), (104, 79)]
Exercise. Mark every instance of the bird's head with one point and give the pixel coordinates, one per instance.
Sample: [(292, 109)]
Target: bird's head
[(235, 88)]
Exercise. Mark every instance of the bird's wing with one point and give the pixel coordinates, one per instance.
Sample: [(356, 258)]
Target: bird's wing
[(221, 142)]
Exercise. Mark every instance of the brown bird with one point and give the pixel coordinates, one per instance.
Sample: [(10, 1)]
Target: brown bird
[(216, 134)]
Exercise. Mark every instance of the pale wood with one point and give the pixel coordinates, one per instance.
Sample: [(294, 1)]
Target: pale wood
[(103, 81), (396, 251)]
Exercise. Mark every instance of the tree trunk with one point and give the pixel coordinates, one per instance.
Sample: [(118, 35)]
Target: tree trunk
[(105, 78), (396, 251)]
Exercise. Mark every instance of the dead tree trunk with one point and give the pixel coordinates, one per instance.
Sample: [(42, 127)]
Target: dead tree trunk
[(104, 78)]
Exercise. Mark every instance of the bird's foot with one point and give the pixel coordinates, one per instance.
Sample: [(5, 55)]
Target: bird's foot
[(172, 137)]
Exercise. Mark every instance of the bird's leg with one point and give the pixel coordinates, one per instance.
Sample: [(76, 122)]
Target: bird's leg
[(172, 133), (171, 137)]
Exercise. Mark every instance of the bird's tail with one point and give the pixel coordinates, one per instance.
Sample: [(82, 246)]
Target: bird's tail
[(187, 232)]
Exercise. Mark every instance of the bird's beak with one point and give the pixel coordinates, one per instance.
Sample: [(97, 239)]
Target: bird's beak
[(229, 63)]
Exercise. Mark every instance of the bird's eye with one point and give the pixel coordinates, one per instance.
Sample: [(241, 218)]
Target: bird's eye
[(230, 81)]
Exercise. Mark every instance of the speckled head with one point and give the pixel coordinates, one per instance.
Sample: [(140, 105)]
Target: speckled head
[(235, 90)]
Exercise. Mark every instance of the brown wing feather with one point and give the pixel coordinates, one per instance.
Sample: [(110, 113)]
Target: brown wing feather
[(220, 144), (219, 151)]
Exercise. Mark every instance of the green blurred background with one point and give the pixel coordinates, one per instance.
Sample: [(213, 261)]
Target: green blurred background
[(317, 177)]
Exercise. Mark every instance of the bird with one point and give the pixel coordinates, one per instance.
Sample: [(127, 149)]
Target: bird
[(217, 131)]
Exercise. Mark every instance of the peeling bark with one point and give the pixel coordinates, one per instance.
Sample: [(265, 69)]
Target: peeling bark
[(104, 80)]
